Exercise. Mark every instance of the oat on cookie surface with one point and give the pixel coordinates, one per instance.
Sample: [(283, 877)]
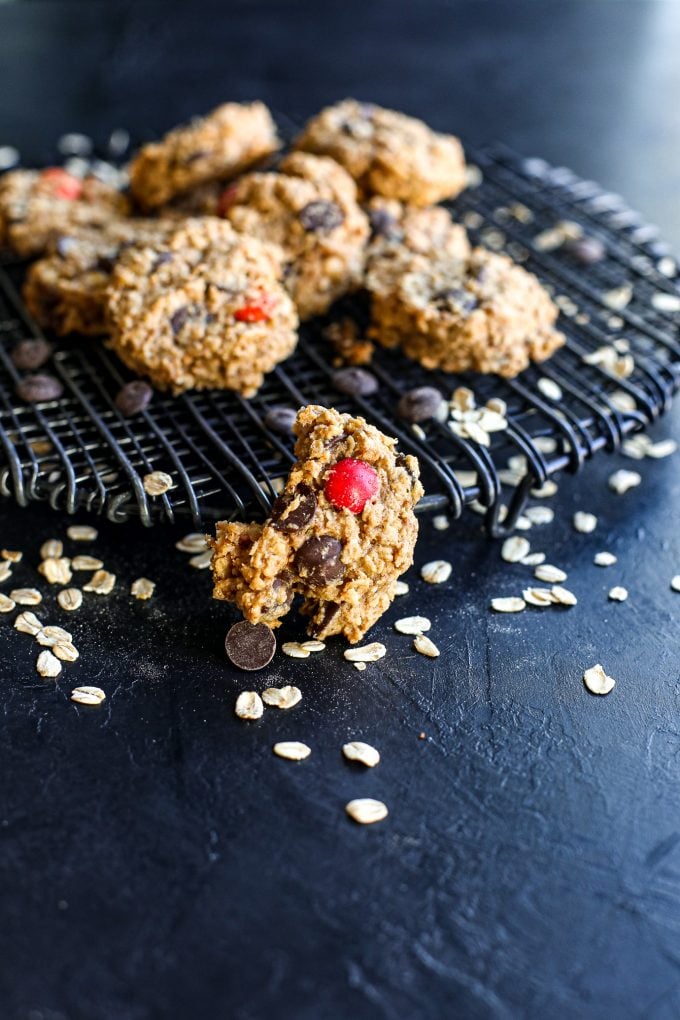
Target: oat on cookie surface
[(308, 207), (204, 309), (340, 534), (387, 153), (228, 140), (483, 313), (398, 229), (36, 205)]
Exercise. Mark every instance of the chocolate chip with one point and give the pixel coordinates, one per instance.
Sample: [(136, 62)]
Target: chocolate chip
[(178, 318), (293, 510), (250, 645), (317, 561), (384, 224), (420, 404), (402, 461), (329, 612), (586, 250), (161, 259), (280, 419), (282, 596), (104, 264), (133, 397), (321, 216), (455, 298), (28, 355), (36, 388), (356, 382)]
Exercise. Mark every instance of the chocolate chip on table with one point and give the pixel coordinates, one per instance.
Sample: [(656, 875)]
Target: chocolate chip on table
[(250, 646), (28, 355), (318, 560), (36, 388), (133, 397), (586, 250), (356, 382), (321, 216), (420, 404), (280, 419), (293, 510)]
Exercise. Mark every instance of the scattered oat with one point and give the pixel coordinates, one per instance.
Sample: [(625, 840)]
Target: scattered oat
[(101, 583), (515, 549), (584, 522), (401, 588), (412, 625), (282, 697), (675, 582), (7, 604), (26, 596), (440, 522), (550, 574), (664, 448), (508, 605), (540, 514), (597, 681), (82, 533), (87, 695), (422, 644), (202, 561), (195, 542), (56, 570), (636, 447), (549, 388), (357, 750), (367, 653), (361, 666), (366, 811), (549, 240), (618, 298), (313, 645), (545, 444), (12, 555), (86, 563), (666, 302), (293, 750), (604, 559), (28, 623), (52, 549), (48, 665), (157, 482), (5, 570), (66, 651), (295, 650), (618, 593), (142, 588), (533, 559), (53, 636), (621, 481), (538, 597), (523, 523), (563, 596), (249, 705), (70, 599), (436, 571)]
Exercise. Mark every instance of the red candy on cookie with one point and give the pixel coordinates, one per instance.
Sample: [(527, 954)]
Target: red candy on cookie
[(351, 483), (62, 184), (256, 311)]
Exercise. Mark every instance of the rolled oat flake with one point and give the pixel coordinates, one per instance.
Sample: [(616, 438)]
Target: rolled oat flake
[(250, 646)]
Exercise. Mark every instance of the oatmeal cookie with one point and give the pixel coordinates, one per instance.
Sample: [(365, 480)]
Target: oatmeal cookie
[(36, 205), (309, 208), (203, 309), (483, 313), (340, 534), (387, 153), (397, 228), (232, 138)]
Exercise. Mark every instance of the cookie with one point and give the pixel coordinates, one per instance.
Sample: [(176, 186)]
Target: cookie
[(387, 153), (483, 313), (232, 138), (204, 309), (309, 208), (66, 290), (340, 534), (203, 200), (37, 205)]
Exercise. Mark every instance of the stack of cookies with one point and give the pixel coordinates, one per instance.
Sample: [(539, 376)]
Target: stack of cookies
[(198, 276)]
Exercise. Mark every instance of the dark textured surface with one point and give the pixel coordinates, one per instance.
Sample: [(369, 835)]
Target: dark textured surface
[(157, 860)]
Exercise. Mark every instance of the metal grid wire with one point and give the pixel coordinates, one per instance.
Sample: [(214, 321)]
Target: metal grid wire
[(80, 452)]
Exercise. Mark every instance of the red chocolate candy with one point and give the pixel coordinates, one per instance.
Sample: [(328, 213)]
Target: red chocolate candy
[(351, 483)]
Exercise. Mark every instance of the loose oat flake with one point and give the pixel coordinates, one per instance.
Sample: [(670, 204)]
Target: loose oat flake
[(412, 625), (26, 596), (675, 582), (295, 650), (28, 623), (361, 666), (597, 681), (550, 574), (101, 583), (436, 572), (6, 603), (195, 542), (546, 490), (422, 644), (13, 555), (540, 514), (621, 481), (357, 750), (512, 604), (157, 482), (86, 563), (366, 811), (367, 653), (282, 697), (515, 549), (53, 636), (70, 599), (584, 522), (293, 750), (66, 651), (56, 570), (401, 588), (313, 645), (563, 595), (5, 570), (202, 561), (48, 665), (440, 522), (664, 448), (549, 388), (142, 588), (533, 559), (618, 593), (88, 695), (540, 597), (51, 549), (249, 705), (604, 559), (82, 533)]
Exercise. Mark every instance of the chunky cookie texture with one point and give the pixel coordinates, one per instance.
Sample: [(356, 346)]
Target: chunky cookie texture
[(398, 229), (66, 290), (340, 534), (309, 207), (387, 153), (203, 309), (37, 205), (482, 313), (232, 138)]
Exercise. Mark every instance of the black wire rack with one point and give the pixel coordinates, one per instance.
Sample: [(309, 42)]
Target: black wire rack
[(79, 452)]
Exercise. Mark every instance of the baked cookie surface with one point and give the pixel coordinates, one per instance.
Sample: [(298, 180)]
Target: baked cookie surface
[(228, 140), (386, 152), (203, 309), (397, 229), (308, 207), (340, 534)]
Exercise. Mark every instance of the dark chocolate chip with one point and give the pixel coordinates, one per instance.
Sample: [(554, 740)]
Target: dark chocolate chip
[(321, 216), (28, 355), (133, 397), (250, 645), (420, 404), (282, 596), (293, 510), (178, 318), (384, 224), (317, 561), (104, 264), (586, 250), (36, 388), (356, 382), (280, 419), (161, 259), (402, 461), (329, 612)]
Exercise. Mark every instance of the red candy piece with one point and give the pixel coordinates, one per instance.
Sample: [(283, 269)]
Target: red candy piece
[(62, 184), (351, 483), (226, 199), (255, 312)]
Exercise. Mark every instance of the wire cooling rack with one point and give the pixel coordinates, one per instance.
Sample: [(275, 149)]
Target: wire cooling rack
[(79, 452)]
